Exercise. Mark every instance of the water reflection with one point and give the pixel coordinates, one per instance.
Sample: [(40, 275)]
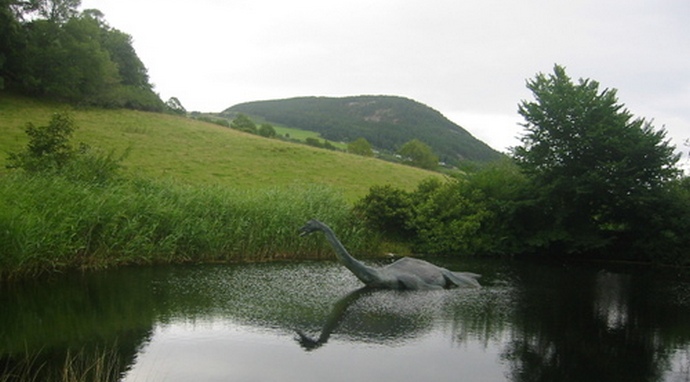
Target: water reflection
[(333, 320), (384, 317), (576, 324), (611, 299), (529, 323)]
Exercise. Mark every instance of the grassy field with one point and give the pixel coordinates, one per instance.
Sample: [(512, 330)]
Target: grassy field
[(190, 191), (193, 152)]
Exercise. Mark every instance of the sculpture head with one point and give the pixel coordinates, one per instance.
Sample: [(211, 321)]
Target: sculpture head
[(311, 226)]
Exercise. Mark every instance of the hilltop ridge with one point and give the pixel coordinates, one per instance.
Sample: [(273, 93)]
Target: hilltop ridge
[(387, 122)]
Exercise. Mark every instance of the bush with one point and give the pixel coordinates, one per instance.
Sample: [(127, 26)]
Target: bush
[(267, 130), (48, 147), (477, 213), (387, 210), (49, 151)]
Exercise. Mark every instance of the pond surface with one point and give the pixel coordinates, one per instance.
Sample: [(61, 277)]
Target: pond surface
[(309, 321)]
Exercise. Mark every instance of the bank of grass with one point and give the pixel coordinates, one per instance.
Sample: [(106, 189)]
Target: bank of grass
[(51, 222), (200, 154)]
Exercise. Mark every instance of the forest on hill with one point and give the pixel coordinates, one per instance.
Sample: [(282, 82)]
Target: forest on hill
[(387, 122), (49, 49)]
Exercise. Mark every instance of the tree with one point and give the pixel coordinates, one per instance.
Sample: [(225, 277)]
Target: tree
[(61, 54), (10, 39), (360, 146), (419, 154), (57, 11), (67, 62), (119, 46), (328, 145), (314, 142), (243, 123), (175, 106), (267, 130), (595, 167)]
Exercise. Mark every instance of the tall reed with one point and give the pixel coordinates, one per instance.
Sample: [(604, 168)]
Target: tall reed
[(50, 222), (97, 365)]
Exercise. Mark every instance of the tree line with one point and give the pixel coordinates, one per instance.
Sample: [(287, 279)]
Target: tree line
[(589, 180), (49, 49)]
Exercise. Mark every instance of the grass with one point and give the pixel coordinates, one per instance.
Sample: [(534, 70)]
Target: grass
[(199, 153), (80, 366), (50, 223)]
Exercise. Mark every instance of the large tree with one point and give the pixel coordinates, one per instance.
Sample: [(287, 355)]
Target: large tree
[(360, 146), (595, 166), (419, 154)]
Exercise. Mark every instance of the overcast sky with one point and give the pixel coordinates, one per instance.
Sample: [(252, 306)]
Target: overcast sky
[(468, 59)]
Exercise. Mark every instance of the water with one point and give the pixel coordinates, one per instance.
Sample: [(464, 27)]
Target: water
[(309, 321)]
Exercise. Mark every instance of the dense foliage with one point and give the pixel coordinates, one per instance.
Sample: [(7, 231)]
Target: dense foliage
[(384, 121), (589, 180), (599, 172), (49, 49), (478, 213)]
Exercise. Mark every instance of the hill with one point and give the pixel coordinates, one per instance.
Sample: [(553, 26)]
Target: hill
[(387, 122), (195, 152)]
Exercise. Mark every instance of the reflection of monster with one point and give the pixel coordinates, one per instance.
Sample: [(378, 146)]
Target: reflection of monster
[(377, 316), (334, 319), (406, 273)]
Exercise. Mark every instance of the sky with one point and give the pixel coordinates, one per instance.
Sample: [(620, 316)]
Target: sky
[(468, 59)]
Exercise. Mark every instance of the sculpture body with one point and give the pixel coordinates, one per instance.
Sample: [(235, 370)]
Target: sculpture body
[(406, 273)]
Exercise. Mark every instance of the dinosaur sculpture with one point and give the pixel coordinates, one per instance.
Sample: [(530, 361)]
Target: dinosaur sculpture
[(406, 273)]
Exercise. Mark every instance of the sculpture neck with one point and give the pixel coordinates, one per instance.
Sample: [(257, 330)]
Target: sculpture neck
[(364, 273)]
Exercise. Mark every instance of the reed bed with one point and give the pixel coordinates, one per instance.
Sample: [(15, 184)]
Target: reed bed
[(50, 223), (96, 365)]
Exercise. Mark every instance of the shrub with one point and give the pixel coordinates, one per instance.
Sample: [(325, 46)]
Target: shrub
[(477, 213), (48, 147), (49, 151), (387, 210)]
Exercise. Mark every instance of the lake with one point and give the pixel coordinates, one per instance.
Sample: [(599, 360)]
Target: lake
[(310, 321)]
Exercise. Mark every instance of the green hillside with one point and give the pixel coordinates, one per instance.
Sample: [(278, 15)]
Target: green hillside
[(194, 152), (387, 122)]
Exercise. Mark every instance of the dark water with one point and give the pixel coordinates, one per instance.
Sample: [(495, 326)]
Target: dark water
[(308, 321)]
